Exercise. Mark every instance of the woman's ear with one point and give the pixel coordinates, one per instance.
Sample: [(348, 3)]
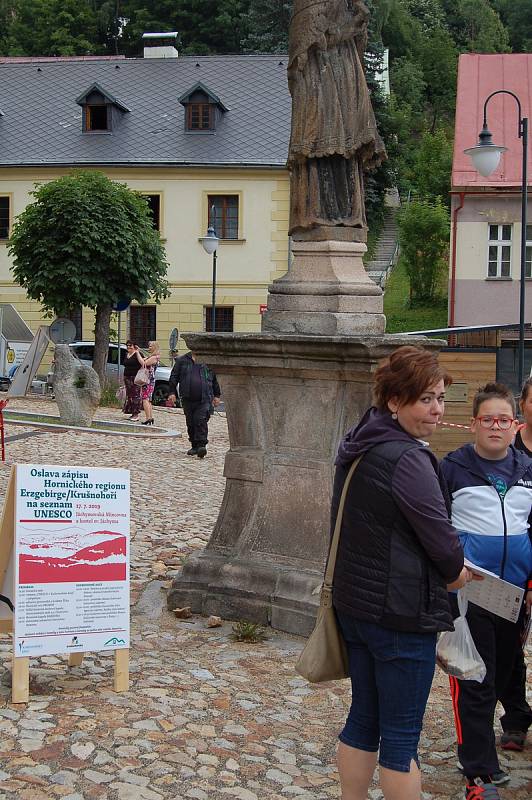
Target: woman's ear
[(393, 404)]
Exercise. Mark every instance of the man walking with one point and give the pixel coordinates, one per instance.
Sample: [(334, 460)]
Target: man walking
[(199, 392)]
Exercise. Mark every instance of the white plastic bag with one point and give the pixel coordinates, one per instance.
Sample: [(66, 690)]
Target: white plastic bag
[(456, 652)]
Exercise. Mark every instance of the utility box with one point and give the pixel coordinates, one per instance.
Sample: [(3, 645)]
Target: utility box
[(15, 340)]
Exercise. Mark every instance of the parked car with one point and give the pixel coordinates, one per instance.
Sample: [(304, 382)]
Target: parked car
[(85, 352)]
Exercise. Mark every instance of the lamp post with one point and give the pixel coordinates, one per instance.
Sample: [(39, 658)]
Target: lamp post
[(210, 245), (485, 157)]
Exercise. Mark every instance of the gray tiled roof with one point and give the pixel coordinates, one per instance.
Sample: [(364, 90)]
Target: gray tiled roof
[(42, 123)]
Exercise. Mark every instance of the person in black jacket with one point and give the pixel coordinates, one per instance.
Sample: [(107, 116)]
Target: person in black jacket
[(199, 392), (397, 556)]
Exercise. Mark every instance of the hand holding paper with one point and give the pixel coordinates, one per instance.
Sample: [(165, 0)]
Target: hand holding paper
[(493, 593)]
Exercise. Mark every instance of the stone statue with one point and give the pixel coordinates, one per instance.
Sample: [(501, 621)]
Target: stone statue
[(334, 136), (76, 388)]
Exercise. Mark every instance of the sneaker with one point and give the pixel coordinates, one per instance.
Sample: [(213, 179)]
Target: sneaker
[(498, 778), (478, 790), (513, 740), (202, 451), (192, 452)]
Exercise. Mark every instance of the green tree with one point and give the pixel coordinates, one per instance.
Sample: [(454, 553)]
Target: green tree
[(424, 239), (432, 166), (517, 17), (408, 83), (267, 23), (50, 28), (438, 59), (476, 26), (429, 13), (204, 26), (86, 240)]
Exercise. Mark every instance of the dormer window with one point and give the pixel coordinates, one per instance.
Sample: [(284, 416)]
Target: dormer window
[(200, 117), (101, 111), (203, 109), (96, 117)]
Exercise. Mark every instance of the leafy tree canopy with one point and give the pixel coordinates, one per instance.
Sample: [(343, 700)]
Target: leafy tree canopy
[(88, 241), (204, 26)]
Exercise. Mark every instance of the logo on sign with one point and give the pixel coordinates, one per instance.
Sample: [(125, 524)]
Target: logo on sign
[(114, 641), (10, 356)]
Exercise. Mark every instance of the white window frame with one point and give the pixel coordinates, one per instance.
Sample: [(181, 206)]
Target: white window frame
[(499, 243), (528, 252)]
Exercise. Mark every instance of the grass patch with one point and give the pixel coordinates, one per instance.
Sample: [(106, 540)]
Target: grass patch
[(400, 317), (244, 631), (108, 396)]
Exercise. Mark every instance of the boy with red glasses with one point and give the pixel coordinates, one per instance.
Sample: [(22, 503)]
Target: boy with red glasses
[(491, 488)]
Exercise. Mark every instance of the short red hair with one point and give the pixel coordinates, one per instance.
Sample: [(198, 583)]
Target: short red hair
[(406, 374)]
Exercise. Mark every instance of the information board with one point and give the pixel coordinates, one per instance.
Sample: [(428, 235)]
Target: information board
[(71, 559)]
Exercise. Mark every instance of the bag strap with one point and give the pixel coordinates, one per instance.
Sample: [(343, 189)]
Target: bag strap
[(331, 561)]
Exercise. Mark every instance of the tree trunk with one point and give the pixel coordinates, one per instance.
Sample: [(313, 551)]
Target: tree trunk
[(101, 341)]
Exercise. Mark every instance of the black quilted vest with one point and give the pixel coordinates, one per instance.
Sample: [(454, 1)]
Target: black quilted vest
[(382, 573)]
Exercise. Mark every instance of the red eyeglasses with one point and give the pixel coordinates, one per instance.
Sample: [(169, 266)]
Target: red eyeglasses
[(504, 423)]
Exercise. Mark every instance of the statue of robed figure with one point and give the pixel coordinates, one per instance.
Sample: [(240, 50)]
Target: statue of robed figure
[(334, 136)]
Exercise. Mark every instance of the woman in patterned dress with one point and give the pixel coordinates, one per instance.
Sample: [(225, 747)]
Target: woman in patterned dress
[(151, 362)]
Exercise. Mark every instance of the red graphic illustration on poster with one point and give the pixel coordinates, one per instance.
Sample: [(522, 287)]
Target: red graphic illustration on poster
[(75, 555)]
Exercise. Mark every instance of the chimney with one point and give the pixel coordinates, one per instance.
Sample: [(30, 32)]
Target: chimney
[(160, 45)]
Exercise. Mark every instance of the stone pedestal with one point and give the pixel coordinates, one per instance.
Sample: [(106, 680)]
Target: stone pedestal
[(326, 292), (289, 400)]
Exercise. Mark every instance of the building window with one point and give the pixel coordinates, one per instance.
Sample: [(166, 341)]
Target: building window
[(224, 319), (96, 118), (224, 216), (154, 204), (142, 324), (528, 252), (76, 316), (5, 216), (200, 117), (500, 251)]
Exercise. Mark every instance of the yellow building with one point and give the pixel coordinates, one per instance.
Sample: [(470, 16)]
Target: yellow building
[(204, 138)]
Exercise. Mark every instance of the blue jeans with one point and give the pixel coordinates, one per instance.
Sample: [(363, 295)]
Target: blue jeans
[(391, 675)]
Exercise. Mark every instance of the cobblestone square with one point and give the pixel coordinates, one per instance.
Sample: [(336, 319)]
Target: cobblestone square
[(205, 717)]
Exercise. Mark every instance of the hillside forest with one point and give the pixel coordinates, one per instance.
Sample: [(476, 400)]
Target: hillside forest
[(423, 37)]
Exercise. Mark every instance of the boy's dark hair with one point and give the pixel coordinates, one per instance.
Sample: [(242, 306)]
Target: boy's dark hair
[(491, 391)]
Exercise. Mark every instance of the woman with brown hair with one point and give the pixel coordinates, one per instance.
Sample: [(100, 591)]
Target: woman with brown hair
[(132, 363), (398, 555)]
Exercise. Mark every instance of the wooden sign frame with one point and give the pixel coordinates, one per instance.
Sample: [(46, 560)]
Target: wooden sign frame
[(20, 681)]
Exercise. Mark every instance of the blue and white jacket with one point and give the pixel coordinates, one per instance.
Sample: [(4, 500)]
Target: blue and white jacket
[(494, 530)]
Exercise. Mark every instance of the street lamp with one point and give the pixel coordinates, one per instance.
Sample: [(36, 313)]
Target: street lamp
[(485, 157), (210, 245)]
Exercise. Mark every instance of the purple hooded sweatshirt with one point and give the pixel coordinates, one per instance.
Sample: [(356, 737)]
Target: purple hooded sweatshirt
[(417, 488)]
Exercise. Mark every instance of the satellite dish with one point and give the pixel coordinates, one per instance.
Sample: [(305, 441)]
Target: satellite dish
[(62, 331), (172, 341)]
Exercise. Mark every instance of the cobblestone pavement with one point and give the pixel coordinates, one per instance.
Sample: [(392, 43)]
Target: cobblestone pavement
[(205, 717)]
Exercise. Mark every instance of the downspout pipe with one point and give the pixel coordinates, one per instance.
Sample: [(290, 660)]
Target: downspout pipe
[(453, 259)]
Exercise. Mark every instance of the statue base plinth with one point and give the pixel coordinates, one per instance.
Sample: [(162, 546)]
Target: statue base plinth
[(326, 292), (289, 401)]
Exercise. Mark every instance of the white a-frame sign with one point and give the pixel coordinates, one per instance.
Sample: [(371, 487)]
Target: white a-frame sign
[(64, 566)]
